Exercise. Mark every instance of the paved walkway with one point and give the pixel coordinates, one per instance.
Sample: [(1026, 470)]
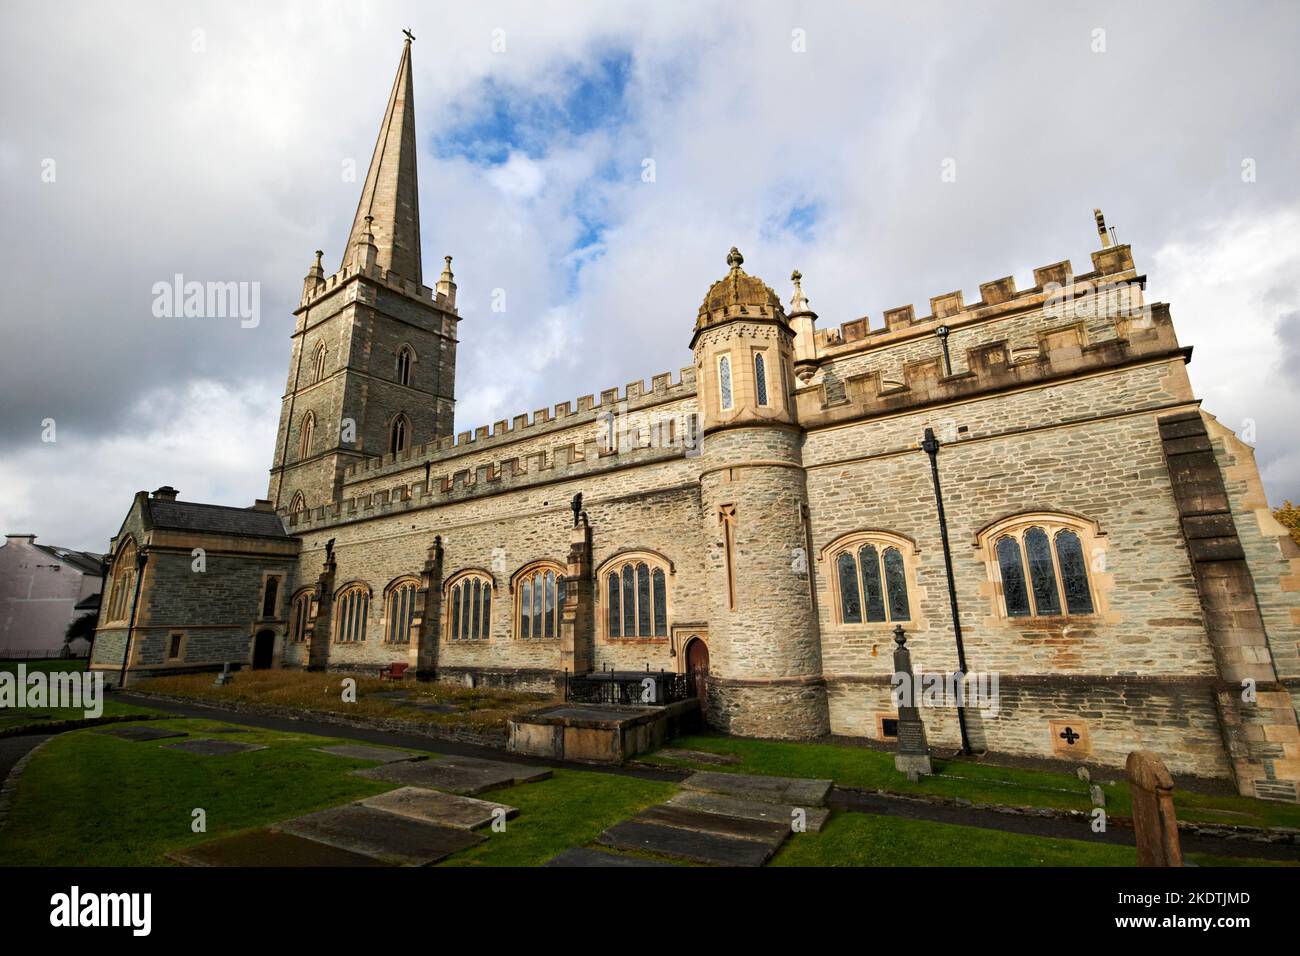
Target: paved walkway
[(14, 749)]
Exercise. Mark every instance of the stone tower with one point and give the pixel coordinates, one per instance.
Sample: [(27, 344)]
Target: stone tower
[(764, 650), (373, 365)]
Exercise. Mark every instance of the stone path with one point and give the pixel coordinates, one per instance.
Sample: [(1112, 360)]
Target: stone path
[(720, 819), (463, 775)]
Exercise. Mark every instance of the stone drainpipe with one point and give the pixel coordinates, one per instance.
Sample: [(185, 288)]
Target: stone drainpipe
[(1255, 710)]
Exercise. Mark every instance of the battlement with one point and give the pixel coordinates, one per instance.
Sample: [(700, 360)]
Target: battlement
[(1063, 351), (561, 462), (1111, 265), (586, 410), (381, 276)]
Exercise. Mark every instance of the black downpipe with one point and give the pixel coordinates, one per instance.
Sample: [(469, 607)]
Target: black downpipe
[(931, 446)]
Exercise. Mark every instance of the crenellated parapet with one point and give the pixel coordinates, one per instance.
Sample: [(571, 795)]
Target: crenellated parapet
[(1063, 351), (561, 462), (1111, 266), (321, 288), (586, 410)]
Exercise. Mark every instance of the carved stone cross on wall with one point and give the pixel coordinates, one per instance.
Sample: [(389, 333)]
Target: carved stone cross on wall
[(1069, 736)]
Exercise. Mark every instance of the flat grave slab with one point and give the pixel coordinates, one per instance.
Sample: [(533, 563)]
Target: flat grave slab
[(269, 848), (230, 730), (214, 748), (795, 791), (138, 732), (692, 845), (463, 775), (815, 817), (367, 752), (388, 837), (768, 832), (697, 756), (435, 806), (587, 857), (592, 713), (433, 708)]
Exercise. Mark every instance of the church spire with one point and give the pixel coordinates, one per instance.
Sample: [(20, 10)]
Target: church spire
[(390, 202)]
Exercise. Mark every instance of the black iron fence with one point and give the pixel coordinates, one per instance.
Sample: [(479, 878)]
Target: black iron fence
[(624, 687)]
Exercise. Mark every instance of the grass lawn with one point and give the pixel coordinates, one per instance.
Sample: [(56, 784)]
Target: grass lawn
[(89, 799), (569, 810), (303, 690), (864, 839), (35, 717), (980, 783)]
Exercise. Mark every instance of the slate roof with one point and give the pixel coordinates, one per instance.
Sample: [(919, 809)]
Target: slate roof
[(215, 519), (87, 562)]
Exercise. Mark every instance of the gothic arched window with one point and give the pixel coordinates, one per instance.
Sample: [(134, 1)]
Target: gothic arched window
[(351, 608), (870, 578), (301, 614), (305, 436), (405, 357), (1039, 563), (299, 503), (399, 435), (123, 586), (318, 363), (539, 590), (724, 382), (635, 591), (469, 606), (760, 378), (400, 610)]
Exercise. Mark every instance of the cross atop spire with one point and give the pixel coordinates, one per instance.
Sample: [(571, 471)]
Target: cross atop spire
[(410, 37), (389, 207)]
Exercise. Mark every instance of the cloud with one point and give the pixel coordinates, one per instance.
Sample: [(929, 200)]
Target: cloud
[(226, 163)]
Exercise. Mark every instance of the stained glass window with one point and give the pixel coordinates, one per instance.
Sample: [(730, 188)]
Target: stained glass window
[(896, 585), (1074, 573), (871, 589), (760, 378), (1042, 575), (614, 619), (850, 600), (724, 381), (1013, 577), (661, 603)]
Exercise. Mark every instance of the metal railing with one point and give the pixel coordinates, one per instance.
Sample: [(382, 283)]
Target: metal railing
[(642, 690)]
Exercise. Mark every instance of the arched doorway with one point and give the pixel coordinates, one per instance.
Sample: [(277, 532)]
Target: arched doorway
[(263, 650), (697, 664)]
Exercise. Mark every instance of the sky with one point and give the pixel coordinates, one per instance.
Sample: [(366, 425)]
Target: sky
[(596, 162)]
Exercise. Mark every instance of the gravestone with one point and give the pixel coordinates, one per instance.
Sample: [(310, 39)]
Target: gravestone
[(1154, 823), (913, 756), (214, 748), (139, 732), (225, 677)]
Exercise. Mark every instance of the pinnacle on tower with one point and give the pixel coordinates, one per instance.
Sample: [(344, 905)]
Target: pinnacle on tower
[(390, 205)]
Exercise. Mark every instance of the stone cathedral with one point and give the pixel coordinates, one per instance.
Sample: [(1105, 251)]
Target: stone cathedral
[(766, 518)]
